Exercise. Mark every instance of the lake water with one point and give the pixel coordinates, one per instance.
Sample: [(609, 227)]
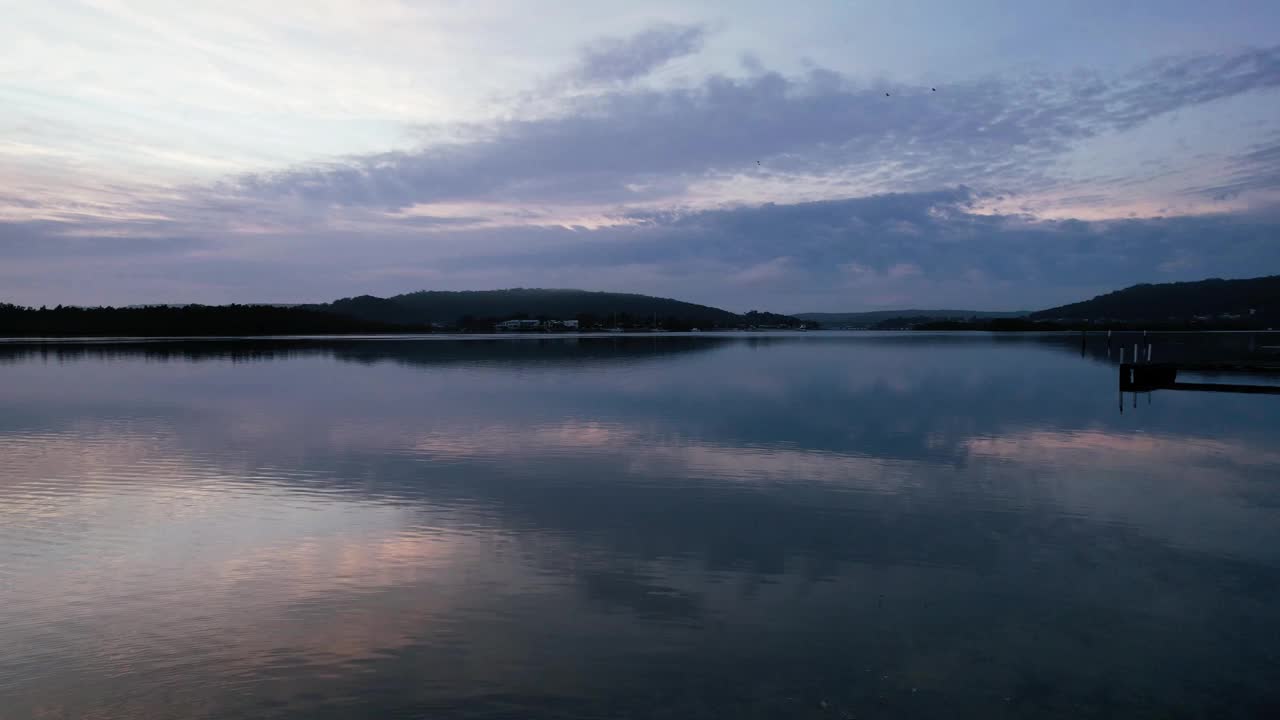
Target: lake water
[(806, 525)]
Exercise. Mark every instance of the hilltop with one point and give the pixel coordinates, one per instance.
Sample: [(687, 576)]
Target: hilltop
[(875, 318), (481, 308), (1255, 300), (183, 320), (1206, 304), (409, 313)]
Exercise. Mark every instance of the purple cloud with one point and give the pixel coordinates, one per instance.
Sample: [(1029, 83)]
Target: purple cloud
[(631, 144), (916, 176), (928, 248), (623, 59), (1257, 169)]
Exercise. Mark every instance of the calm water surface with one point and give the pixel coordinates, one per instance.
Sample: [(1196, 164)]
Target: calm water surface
[(823, 526)]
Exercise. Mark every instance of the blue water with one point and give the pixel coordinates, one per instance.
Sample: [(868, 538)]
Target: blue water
[(804, 525)]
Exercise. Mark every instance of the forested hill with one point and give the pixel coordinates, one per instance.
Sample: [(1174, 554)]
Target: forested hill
[(1256, 299), (414, 312), (872, 318), (459, 307), (187, 320)]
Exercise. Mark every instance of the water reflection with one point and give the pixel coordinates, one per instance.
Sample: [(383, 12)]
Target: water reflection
[(418, 350), (895, 526)]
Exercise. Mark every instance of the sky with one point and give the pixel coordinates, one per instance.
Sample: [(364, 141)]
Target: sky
[(816, 156)]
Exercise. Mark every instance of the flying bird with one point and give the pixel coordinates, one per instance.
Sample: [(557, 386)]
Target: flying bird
[(934, 89), (886, 94)]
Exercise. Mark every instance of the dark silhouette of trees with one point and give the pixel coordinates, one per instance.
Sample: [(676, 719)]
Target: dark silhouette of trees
[(602, 309), (188, 320), (1255, 301), (469, 311)]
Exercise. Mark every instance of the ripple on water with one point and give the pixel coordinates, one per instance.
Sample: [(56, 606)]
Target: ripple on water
[(721, 529)]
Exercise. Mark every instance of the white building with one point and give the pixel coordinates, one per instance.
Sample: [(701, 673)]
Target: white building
[(518, 325), (528, 325)]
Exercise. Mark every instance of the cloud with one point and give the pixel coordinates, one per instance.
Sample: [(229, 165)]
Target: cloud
[(1171, 83), (765, 273), (788, 191), (633, 144), (1257, 170), (932, 248), (899, 271), (921, 247), (621, 60)]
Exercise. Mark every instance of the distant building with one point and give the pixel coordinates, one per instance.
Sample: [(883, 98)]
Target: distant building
[(518, 325), (530, 325)]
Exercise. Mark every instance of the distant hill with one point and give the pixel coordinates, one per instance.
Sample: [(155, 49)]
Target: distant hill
[(877, 317), (481, 306), (1256, 299), (373, 309), (412, 313), (184, 320)]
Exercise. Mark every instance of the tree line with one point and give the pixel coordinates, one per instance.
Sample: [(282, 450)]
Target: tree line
[(186, 320)]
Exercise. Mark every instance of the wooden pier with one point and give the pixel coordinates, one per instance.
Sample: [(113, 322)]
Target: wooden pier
[(1145, 377)]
